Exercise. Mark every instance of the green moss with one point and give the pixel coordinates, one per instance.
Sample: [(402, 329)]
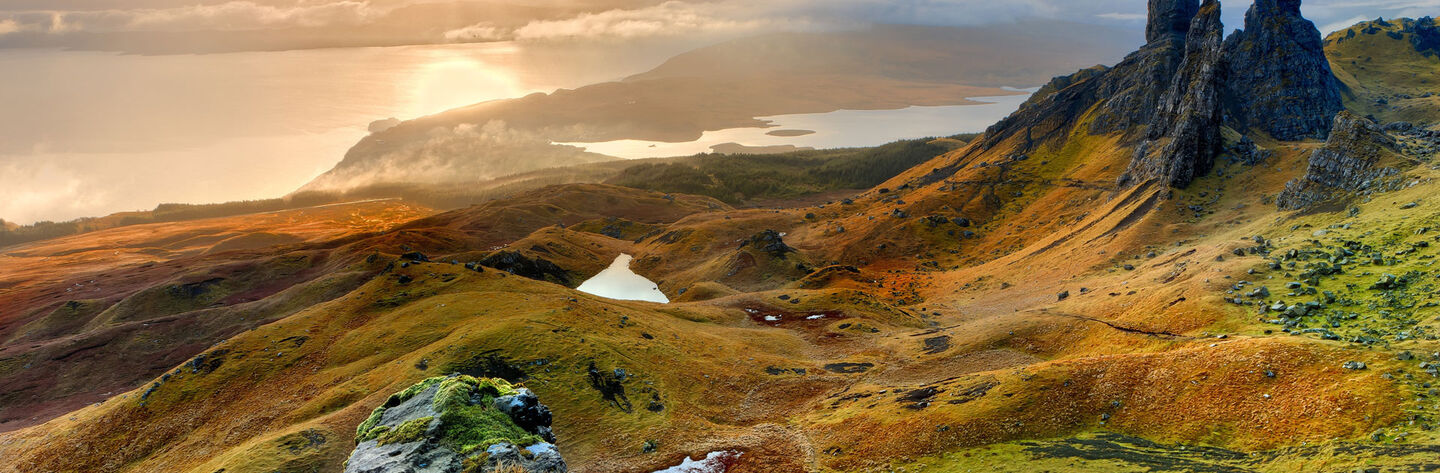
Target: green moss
[(366, 429), (468, 421), (467, 427), (402, 396), (456, 392), (474, 463), (376, 432), (410, 431)]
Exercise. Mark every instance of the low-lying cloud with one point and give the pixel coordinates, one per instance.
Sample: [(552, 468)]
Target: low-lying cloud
[(672, 19), (463, 153)]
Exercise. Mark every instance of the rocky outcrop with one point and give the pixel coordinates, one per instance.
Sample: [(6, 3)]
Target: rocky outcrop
[(1424, 36), (1350, 162), (1174, 97), (1185, 136), (457, 423), (1128, 92), (1169, 19), (768, 241), (539, 269), (1281, 82), (1124, 97)]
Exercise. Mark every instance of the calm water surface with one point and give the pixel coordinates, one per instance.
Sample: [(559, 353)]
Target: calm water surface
[(839, 129), (88, 133)]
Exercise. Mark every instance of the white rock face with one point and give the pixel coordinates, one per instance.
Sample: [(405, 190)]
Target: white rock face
[(619, 282)]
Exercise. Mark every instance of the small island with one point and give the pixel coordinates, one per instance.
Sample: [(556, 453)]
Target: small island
[(790, 133), (737, 148)]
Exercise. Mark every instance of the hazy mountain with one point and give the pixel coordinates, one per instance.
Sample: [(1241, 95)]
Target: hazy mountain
[(726, 86)]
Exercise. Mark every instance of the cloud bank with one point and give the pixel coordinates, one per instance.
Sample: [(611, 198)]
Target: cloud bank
[(228, 16), (622, 19), (675, 18)]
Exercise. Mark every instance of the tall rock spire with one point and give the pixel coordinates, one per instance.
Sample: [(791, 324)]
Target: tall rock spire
[(1281, 81), (1170, 19), (1185, 135), (1132, 90), (1174, 96), (1123, 97)]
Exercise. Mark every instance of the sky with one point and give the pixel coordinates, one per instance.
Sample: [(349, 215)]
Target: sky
[(75, 22)]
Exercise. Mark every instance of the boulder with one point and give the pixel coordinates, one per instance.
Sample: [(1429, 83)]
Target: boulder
[(537, 268), (457, 423), (768, 241)]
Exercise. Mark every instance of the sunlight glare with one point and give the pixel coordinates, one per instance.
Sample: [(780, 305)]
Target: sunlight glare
[(454, 79)]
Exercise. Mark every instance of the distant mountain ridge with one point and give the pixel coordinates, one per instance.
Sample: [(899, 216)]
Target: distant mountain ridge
[(885, 67)]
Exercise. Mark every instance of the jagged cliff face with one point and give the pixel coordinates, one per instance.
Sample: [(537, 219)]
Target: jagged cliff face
[(1351, 162), (1123, 97), (1282, 83), (1273, 77), (1170, 19), (1185, 138), (1128, 92)]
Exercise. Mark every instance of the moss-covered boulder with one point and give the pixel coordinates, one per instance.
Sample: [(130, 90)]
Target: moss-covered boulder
[(457, 424)]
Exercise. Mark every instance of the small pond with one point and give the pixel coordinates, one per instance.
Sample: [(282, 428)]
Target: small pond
[(619, 282)]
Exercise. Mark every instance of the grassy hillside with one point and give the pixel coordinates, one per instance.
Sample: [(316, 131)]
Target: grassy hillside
[(740, 178), (736, 179), (1390, 73)]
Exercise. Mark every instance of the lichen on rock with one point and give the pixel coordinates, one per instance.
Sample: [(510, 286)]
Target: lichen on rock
[(457, 423)]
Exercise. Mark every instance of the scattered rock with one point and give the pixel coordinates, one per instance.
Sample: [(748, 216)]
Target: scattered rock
[(849, 368)]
